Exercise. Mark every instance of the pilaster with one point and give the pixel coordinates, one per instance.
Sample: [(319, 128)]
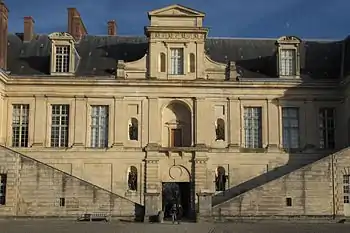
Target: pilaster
[(119, 127), (273, 125), (204, 206), (40, 114), (154, 132), (80, 121), (234, 128), (311, 119), (201, 126), (152, 189)]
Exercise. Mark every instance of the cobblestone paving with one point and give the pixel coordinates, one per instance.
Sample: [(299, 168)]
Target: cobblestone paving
[(65, 226)]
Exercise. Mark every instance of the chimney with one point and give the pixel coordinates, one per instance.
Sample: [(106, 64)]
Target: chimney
[(28, 28), (3, 35), (76, 25), (112, 28)]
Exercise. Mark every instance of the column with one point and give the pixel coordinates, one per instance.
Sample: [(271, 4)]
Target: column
[(120, 129), (273, 125), (154, 130), (233, 123), (202, 131), (152, 191), (80, 121), (311, 119), (40, 115)]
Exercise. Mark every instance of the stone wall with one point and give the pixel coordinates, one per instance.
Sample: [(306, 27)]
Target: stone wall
[(36, 189), (307, 191)]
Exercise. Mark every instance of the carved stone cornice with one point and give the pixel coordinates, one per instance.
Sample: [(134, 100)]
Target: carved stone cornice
[(177, 35)]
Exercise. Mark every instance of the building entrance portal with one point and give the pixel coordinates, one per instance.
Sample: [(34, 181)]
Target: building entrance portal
[(178, 193)]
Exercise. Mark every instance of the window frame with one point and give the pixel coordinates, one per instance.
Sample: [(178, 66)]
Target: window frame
[(290, 128), (3, 188), (259, 127), (324, 130), (179, 61), (102, 141), (23, 127), (61, 127)]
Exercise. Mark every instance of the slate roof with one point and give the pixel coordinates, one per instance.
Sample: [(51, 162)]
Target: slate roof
[(99, 54)]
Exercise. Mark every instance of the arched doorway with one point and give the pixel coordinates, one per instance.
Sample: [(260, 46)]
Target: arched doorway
[(179, 194), (177, 125)]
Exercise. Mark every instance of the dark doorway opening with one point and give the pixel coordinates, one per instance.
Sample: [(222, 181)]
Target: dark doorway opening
[(178, 193)]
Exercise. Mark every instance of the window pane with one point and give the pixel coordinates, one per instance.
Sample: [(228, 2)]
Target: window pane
[(59, 125), (176, 61), (252, 127), (99, 126), (327, 127), (290, 123), (287, 62), (20, 121)]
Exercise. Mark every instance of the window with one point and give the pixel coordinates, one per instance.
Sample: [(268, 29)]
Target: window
[(20, 121), (62, 58), (133, 129), (290, 122), (327, 128), (252, 127), (346, 188), (132, 178), (3, 182), (287, 62), (192, 63), (288, 201), (162, 62), (99, 126), (62, 201), (175, 137), (177, 60), (220, 179), (220, 130), (59, 125)]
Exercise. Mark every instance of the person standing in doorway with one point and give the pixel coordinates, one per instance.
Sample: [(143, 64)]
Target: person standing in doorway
[(174, 213)]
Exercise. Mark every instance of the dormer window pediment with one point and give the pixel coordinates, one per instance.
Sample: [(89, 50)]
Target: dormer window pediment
[(288, 54), (64, 57)]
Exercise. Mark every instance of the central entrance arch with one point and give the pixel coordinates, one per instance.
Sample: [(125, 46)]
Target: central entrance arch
[(178, 193)]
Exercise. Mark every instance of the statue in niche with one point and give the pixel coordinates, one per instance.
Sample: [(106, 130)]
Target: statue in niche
[(132, 179), (133, 129), (220, 130), (220, 179)]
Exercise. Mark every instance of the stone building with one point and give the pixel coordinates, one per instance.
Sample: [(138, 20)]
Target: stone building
[(226, 127)]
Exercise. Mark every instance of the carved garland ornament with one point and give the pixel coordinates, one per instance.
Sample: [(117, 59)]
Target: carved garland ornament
[(177, 35)]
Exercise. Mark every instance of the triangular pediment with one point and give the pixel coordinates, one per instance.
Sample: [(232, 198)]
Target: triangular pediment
[(176, 10)]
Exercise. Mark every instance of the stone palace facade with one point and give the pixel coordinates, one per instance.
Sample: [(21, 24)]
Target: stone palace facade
[(127, 126)]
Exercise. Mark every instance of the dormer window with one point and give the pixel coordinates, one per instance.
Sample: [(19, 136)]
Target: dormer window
[(177, 61), (288, 62), (64, 57)]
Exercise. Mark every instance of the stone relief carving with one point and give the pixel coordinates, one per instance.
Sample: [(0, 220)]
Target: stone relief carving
[(177, 35)]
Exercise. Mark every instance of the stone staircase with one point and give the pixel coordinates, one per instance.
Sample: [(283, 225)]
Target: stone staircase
[(265, 195), (37, 189)]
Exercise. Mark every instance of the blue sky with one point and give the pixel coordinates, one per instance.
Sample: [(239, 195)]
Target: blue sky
[(225, 18)]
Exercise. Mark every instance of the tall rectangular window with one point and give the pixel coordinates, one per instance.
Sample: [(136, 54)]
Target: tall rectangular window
[(290, 122), (3, 182), (327, 127), (62, 58), (252, 127), (59, 125), (177, 61), (287, 62), (99, 126), (20, 122)]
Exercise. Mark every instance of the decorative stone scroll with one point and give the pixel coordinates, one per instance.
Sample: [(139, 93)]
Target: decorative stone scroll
[(177, 35)]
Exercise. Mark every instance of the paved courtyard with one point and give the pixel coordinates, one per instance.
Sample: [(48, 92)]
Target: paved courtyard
[(65, 226)]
